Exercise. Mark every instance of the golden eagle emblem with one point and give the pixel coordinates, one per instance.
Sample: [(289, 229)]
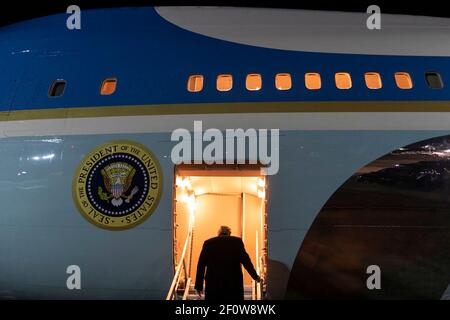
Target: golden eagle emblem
[(117, 178)]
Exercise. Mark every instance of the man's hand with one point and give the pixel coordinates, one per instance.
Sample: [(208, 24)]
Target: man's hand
[(200, 293), (259, 279)]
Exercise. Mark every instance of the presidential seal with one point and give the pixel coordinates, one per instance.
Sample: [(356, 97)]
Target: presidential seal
[(118, 185)]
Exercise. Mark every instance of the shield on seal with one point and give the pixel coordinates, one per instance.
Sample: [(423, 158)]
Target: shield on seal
[(117, 178)]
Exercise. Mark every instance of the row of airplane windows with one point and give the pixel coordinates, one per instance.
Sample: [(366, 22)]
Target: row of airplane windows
[(58, 87), (283, 81), (313, 81)]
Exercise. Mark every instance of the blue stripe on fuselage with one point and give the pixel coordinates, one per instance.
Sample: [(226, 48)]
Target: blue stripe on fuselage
[(153, 58)]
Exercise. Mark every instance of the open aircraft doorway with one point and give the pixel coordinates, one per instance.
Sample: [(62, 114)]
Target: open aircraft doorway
[(207, 197)]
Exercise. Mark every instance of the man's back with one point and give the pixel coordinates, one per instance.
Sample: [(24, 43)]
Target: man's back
[(224, 252), (222, 257)]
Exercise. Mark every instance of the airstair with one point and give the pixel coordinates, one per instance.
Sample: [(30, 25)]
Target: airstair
[(182, 287), (192, 295)]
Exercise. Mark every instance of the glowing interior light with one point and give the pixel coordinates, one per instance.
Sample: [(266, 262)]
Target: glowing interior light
[(261, 183), (283, 81), (192, 209), (195, 83), (178, 181), (403, 80), (373, 80), (253, 82), (192, 205), (187, 183), (108, 87), (199, 191), (183, 183), (184, 197), (261, 194), (343, 80), (313, 81), (224, 82)]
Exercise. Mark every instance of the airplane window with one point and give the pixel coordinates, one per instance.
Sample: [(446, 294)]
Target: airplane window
[(224, 82), (195, 83), (313, 81), (373, 80), (434, 80), (253, 82), (403, 80), (343, 80), (283, 81), (57, 88), (108, 87)]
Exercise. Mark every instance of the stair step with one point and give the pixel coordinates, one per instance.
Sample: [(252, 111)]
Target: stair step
[(194, 296)]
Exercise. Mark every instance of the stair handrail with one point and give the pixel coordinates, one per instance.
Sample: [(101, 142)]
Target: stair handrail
[(257, 286), (186, 290), (171, 295)]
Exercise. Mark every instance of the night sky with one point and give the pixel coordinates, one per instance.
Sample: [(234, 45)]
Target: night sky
[(14, 11)]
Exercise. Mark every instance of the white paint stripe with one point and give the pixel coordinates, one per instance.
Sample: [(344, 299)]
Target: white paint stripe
[(283, 121), (316, 31)]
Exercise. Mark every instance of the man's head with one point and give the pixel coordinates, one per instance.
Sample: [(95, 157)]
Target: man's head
[(224, 231)]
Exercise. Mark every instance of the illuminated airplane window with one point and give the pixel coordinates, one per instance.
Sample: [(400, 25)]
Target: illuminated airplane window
[(373, 80), (108, 87), (253, 82), (224, 82), (283, 81), (403, 80), (195, 83), (313, 81), (434, 80), (343, 80), (57, 88)]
